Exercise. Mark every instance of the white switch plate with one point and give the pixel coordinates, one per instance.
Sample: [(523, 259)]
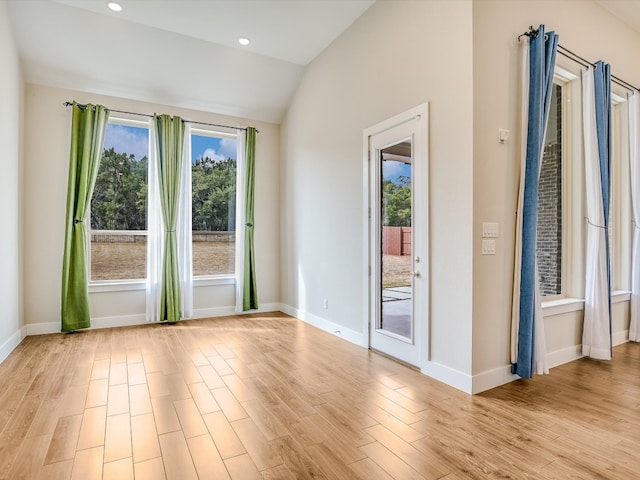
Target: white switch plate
[(490, 230), (488, 247)]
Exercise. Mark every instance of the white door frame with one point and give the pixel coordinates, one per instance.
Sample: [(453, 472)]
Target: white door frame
[(420, 175)]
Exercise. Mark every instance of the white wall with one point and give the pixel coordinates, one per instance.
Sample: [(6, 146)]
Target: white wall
[(396, 56), (11, 101), (48, 124), (591, 32)]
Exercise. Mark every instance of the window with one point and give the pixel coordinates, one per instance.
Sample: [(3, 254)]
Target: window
[(549, 247), (213, 207), (620, 213), (118, 219)]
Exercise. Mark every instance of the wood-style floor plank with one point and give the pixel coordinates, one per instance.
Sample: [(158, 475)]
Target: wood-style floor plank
[(266, 396), (144, 438)]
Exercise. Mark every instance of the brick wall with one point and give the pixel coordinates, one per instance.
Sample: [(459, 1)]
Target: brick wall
[(549, 229)]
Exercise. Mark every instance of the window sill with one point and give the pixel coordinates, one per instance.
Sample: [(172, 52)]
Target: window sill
[(619, 296), (122, 286), (567, 305), (208, 281), (131, 285), (562, 305)]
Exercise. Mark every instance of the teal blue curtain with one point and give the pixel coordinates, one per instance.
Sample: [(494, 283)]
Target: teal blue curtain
[(88, 127), (169, 144), (542, 57), (250, 292), (602, 90)]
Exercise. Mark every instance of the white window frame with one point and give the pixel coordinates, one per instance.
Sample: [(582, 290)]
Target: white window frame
[(226, 278), (116, 284), (574, 210), (565, 80), (621, 231), (111, 285)]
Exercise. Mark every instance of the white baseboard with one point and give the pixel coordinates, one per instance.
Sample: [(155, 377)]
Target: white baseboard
[(564, 355), (140, 319), (448, 375), (11, 343), (326, 325), (499, 376), (618, 338), (493, 378), (224, 311), (42, 328)]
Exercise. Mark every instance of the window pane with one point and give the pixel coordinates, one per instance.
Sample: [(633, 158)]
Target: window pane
[(118, 257), (213, 211), (549, 228), (119, 206)]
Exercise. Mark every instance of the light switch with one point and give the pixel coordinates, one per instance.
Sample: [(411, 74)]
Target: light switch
[(503, 135), (490, 230), (488, 247)]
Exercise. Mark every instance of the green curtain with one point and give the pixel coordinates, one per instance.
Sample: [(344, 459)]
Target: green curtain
[(169, 143), (89, 124), (250, 297)]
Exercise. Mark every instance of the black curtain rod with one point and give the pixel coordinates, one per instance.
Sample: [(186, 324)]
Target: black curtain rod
[(565, 52), (68, 104)]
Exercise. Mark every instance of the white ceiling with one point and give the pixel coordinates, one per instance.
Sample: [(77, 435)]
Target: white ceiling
[(180, 52)]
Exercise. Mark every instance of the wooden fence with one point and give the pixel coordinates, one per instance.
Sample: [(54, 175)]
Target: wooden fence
[(396, 240)]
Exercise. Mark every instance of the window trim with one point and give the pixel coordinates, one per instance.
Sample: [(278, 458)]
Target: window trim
[(572, 298), (225, 278), (565, 80), (132, 284), (125, 283)]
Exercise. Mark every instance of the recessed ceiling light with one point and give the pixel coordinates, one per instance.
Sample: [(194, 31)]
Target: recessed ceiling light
[(115, 6), (244, 41)]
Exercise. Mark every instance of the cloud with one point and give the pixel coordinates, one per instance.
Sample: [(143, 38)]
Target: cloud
[(130, 140), (392, 169), (226, 149), (213, 155), (229, 148)]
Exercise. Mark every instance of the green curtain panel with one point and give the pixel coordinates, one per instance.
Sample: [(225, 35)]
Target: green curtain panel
[(250, 299), (89, 124), (169, 144)]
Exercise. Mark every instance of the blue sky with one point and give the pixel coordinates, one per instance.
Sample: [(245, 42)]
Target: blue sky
[(135, 140), (391, 170), (125, 139), (215, 148)]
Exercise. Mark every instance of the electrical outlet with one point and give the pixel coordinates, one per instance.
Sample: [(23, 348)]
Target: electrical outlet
[(325, 303)]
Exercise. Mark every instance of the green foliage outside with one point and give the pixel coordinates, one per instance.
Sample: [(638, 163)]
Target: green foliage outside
[(396, 202), (120, 194), (214, 195)]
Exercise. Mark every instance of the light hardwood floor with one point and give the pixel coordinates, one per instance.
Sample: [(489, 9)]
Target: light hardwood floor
[(267, 396)]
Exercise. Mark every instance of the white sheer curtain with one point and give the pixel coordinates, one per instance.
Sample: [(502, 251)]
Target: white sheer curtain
[(155, 236), (240, 218), (596, 337), (634, 164), (184, 229), (155, 232)]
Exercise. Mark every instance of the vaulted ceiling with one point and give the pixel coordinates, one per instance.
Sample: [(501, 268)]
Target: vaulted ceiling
[(180, 52), (186, 52)]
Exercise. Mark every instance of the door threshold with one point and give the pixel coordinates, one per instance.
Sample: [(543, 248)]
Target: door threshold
[(397, 360)]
